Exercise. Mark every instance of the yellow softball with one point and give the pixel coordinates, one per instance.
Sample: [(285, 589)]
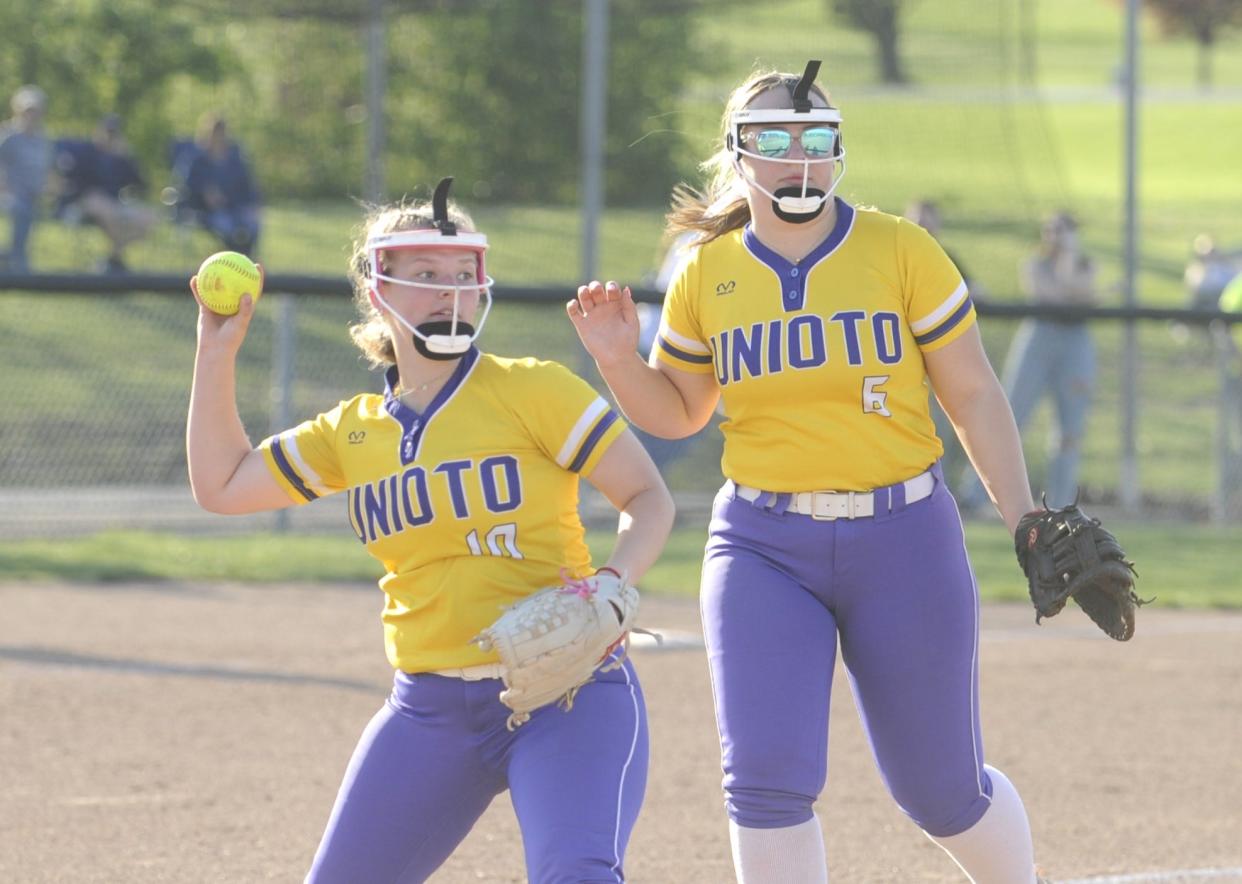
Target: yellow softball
[(224, 277)]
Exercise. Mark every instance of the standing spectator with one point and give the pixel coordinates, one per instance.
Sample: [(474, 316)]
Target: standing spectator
[(1229, 362), (1231, 296), (926, 214), (221, 189), (25, 157), (111, 182), (1053, 356)]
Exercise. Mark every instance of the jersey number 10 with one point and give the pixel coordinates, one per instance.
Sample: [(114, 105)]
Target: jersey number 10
[(500, 541)]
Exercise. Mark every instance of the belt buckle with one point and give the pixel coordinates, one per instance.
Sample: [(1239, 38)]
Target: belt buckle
[(832, 498)]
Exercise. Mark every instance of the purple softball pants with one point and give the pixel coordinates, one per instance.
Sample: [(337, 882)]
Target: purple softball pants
[(781, 590), (433, 758)]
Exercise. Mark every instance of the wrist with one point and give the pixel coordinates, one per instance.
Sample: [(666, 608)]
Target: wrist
[(610, 570), (1026, 516), (218, 357), (610, 362)]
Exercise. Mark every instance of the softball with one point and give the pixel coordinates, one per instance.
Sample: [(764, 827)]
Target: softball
[(224, 277)]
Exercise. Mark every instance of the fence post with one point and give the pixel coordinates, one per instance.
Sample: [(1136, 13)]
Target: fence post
[(284, 345), (592, 124), (1131, 494)]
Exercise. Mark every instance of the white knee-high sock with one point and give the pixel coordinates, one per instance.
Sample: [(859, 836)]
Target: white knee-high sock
[(792, 855), (998, 848)]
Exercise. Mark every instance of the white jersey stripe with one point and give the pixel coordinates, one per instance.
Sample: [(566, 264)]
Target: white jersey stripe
[(579, 432), (289, 442), (946, 307), (681, 341)]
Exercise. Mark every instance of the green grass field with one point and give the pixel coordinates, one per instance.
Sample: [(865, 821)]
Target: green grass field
[(967, 132), (1183, 565)]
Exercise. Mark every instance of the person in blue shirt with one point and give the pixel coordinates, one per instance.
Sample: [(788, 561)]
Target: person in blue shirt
[(110, 183), (25, 158), (220, 187)]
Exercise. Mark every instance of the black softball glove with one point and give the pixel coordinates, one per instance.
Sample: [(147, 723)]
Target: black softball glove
[(1064, 553)]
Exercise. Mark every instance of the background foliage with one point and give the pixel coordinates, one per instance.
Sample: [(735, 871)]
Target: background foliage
[(463, 79), (1011, 109)]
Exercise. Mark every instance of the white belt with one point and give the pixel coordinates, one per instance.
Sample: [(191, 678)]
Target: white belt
[(831, 505), (473, 673)]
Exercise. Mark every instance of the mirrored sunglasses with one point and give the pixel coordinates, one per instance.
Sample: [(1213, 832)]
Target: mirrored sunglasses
[(774, 144)]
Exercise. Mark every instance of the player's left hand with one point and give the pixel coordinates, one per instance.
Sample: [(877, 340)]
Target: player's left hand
[(550, 643), (1066, 554), (606, 321)]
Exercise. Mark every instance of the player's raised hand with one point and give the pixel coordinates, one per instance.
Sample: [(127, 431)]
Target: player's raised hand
[(219, 332), (606, 320)]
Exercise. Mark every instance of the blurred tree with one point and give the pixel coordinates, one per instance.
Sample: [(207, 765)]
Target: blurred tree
[(882, 20), (107, 56), (305, 125), (492, 94), (488, 90), (1201, 19)]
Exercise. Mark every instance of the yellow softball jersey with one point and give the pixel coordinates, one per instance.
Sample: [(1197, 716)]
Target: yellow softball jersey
[(470, 505), (820, 362)]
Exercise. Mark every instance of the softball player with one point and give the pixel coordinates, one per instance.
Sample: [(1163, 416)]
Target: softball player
[(820, 325), (462, 479)]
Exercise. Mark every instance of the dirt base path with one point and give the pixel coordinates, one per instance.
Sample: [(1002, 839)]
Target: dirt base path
[(197, 733)]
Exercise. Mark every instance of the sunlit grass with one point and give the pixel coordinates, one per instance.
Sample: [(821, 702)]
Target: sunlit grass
[(1183, 565)]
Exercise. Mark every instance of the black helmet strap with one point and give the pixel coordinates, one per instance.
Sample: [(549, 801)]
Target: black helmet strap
[(439, 208), (802, 91)]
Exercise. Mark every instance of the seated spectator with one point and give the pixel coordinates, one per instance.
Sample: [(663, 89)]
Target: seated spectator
[(220, 190), (25, 156), (101, 182)]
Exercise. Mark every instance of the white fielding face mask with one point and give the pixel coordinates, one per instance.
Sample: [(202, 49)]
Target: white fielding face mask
[(796, 204), (441, 338)]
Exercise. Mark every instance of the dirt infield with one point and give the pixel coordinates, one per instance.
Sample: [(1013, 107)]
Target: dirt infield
[(187, 733)]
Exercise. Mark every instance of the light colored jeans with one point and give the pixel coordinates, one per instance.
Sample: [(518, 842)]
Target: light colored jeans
[(24, 209), (1053, 358)]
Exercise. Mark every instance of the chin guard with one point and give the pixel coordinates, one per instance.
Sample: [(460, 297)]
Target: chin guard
[(810, 202)]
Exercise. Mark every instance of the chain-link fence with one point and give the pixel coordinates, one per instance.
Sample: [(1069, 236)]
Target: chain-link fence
[(1008, 110), (96, 389)]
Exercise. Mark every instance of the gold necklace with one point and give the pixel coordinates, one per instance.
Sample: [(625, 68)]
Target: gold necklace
[(423, 386)]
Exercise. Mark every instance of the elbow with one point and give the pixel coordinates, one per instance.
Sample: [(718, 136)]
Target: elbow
[(679, 428), (653, 505), (670, 433), (206, 501), (213, 501)]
